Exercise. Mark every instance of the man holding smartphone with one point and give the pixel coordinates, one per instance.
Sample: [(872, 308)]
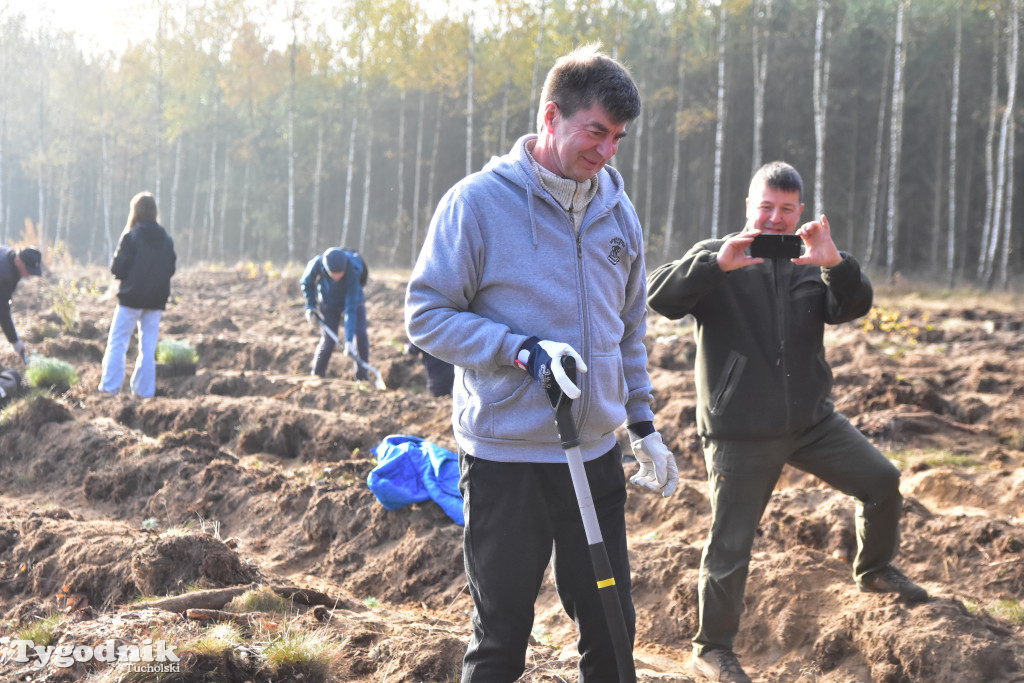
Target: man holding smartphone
[(763, 399)]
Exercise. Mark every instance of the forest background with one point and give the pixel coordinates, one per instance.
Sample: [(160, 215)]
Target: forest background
[(347, 126)]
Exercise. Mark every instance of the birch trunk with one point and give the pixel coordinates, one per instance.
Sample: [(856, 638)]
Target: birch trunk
[(212, 201), (434, 154), (105, 181), (243, 221), (820, 97), (469, 98), (192, 218), (1003, 187), (291, 144), (1004, 257), (876, 168), (367, 166), (221, 256), (159, 104), (175, 184), (990, 136), (895, 144), (351, 163), (417, 175), (762, 24), (954, 114), (673, 187), (400, 200), (537, 55), (720, 125), (318, 169)]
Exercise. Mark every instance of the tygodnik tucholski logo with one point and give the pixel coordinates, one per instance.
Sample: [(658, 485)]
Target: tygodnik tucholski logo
[(149, 656)]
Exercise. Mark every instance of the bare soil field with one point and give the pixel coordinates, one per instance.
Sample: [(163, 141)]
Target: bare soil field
[(250, 472)]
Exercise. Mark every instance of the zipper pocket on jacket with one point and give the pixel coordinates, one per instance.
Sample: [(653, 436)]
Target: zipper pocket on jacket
[(727, 382)]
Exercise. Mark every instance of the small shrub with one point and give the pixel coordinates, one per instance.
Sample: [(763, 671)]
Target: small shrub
[(260, 600), (62, 299), (296, 650), (51, 373), (41, 631), (176, 352)]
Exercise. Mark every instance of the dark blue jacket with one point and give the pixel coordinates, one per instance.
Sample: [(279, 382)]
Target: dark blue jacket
[(346, 293)]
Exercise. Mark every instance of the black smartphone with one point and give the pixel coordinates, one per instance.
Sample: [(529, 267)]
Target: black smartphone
[(776, 246)]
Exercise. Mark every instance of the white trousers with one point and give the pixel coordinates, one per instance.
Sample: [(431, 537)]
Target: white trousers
[(124, 322)]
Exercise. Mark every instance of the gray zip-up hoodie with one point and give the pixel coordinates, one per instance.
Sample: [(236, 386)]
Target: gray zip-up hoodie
[(502, 263)]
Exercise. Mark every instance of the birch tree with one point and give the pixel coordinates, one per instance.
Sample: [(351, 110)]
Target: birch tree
[(719, 124), (895, 143), (1005, 157), (990, 136), (954, 117), (677, 125), (761, 42), (822, 38)]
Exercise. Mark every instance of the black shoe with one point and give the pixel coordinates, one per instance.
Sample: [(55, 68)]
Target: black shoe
[(892, 580), (720, 665)]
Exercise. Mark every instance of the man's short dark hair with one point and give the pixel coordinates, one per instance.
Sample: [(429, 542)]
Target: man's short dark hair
[(586, 76), (781, 176)]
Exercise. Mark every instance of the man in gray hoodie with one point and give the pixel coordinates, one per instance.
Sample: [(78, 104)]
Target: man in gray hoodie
[(537, 257)]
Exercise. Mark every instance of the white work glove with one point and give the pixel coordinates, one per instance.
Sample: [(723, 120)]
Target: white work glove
[(312, 319), (537, 355), (19, 348), (350, 349), (658, 470)]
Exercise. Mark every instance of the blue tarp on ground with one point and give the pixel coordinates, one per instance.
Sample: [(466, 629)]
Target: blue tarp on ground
[(411, 470)]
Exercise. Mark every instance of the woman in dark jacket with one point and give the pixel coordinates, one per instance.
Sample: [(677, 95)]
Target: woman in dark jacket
[(144, 263)]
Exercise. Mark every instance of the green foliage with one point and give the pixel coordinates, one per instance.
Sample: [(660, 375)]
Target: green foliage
[(64, 303), (41, 631), (296, 649), (176, 352), (50, 373)]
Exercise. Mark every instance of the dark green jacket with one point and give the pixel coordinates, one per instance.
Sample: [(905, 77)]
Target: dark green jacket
[(760, 367)]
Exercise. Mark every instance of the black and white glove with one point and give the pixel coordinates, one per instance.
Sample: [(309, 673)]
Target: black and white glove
[(537, 357), (658, 470)]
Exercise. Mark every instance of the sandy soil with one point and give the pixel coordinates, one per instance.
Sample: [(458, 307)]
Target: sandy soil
[(252, 472)]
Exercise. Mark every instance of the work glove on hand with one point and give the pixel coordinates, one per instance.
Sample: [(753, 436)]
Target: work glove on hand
[(19, 348), (658, 470), (350, 350), (312, 319), (536, 356)]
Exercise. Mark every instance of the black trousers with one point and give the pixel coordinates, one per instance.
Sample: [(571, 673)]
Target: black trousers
[(332, 318), (516, 514)]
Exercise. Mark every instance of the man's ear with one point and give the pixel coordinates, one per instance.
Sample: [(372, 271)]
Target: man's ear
[(550, 112)]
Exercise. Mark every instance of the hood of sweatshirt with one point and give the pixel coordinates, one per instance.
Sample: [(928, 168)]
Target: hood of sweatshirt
[(517, 168)]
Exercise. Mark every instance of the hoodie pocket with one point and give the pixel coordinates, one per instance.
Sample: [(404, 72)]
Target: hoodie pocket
[(728, 381)]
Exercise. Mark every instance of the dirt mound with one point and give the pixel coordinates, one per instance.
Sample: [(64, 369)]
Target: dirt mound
[(251, 473)]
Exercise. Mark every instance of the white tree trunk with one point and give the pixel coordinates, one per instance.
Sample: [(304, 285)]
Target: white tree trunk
[(876, 169), (291, 144), (469, 98), (367, 167), (990, 136), (351, 163), (1005, 154), (221, 255), (318, 171), (537, 56), (761, 40), (243, 221), (820, 96), (212, 201), (175, 183), (895, 144), (954, 114), (677, 120), (720, 125), (417, 175)]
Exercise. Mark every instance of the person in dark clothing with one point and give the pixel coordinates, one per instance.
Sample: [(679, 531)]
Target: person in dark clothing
[(332, 282), (143, 262), (440, 374), (14, 265), (763, 400)]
